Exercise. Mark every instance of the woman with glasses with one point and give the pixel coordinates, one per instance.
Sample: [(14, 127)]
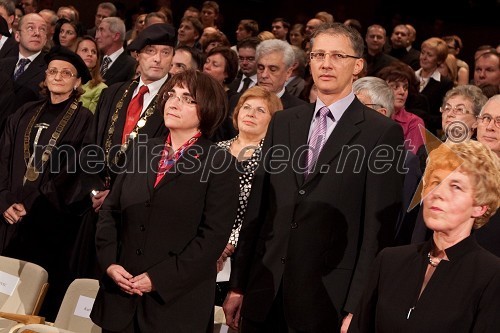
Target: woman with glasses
[(251, 118), (461, 106), (448, 283), (40, 146), (168, 217)]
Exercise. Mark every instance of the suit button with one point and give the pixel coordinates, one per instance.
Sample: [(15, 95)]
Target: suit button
[(283, 260), (147, 204), (294, 225), (142, 227), (302, 192), (138, 252)]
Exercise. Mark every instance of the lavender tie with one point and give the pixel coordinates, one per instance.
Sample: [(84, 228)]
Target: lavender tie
[(317, 139)]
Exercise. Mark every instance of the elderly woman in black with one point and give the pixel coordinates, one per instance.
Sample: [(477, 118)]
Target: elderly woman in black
[(161, 229), (40, 145), (449, 283)]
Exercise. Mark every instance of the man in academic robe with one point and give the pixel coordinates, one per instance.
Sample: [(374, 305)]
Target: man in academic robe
[(114, 129)]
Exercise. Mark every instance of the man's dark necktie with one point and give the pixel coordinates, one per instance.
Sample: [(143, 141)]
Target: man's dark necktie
[(20, 70), (105, 65), (246, 84)]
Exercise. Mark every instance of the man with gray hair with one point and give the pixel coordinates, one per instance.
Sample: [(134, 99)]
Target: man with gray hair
[(275, 59), (116, 64), (104, 9), (375, 93), (8, 45)]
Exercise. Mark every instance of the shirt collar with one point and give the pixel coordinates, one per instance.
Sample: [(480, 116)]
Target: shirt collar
[(113, 56), (31, 57), (280, 94), (153, 87), (338, 108)]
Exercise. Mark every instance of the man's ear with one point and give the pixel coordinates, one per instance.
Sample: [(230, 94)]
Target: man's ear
[(382, 111)]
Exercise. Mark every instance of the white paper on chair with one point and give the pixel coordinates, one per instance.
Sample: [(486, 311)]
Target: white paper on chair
[(84, 306), (8, 283), (223, 275)]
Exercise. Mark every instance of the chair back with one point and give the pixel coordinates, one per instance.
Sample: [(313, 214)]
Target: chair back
[(76, 306), (28, 295)]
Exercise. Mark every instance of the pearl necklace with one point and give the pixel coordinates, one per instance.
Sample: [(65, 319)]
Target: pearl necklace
[(432, 262)]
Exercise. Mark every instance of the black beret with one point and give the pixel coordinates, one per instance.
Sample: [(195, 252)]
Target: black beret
[(156, 34), (4, 28), (59, 52)]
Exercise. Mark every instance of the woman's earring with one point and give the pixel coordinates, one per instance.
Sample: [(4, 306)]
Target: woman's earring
[(76, 87)]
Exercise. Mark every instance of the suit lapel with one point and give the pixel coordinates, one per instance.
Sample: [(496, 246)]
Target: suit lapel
[(343, 133), (299, 131), (33, 70), (155, 148)]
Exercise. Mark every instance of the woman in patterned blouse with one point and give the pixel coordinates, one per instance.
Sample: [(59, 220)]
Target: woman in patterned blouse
[(251, 117)]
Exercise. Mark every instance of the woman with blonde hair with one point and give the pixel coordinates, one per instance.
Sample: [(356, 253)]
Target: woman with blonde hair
[(251, 118), (448, 283)]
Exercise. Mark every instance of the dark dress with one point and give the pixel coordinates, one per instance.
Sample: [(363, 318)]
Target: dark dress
[(46, 234), (461, 296)]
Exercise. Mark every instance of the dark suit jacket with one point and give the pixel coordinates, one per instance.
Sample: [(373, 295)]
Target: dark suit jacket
[(411, 58), (10, 48), (317, 237), (121, 70), (461, 296), (435, 91), (175, 232), (27, 86), (296, 86)]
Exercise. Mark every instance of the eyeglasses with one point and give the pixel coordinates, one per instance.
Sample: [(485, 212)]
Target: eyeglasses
[(249, 59), (184, 99), (486, 120), (65, 73), (334, 56), (456, 110), (374, 106), (32, 30)]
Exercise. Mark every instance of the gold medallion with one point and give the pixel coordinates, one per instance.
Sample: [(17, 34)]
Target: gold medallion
[(141, 123), (31, 174)]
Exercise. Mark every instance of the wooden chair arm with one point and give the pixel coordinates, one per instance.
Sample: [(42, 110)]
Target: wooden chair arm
[(22, 318)]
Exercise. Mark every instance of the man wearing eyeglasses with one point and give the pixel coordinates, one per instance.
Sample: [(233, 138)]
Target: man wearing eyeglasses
[(248, 66), (126, 113), (322, 205), (27, 69), (104, 9)]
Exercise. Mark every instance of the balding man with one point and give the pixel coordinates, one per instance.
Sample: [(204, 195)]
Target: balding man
[(27, 69)]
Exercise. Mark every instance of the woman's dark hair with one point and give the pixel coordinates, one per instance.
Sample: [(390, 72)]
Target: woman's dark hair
[(95, 72), (210, 97), (399, 71), (79, 29), (231, 67)]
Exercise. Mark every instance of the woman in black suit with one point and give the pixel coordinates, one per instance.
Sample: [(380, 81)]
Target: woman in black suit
[(449, 283), (168, 218)]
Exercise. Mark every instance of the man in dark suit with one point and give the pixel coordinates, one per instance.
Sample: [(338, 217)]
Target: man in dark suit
[(248, 65), (275, 59), (8, 43), (401, 47), (27, 69), (321, 205), (116, 65)]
